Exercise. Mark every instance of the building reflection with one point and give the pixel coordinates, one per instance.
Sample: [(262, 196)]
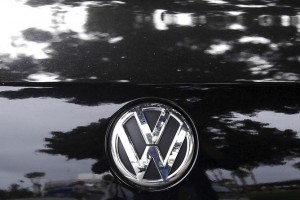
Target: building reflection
[(87, 186)]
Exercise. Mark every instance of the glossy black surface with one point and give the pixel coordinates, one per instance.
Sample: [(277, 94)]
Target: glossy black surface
[(215, 41), (52, 135), (249, 140)]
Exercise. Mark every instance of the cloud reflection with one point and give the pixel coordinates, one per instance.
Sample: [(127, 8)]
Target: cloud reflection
[(43, 77), (16, 17)]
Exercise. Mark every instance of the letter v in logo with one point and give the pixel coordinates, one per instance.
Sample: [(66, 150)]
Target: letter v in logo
[(174, 140)]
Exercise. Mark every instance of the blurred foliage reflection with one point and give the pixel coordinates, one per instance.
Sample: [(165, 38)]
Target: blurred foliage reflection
[(139, 41)]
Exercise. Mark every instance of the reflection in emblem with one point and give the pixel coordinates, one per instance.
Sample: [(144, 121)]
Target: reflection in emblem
[(152, 146)]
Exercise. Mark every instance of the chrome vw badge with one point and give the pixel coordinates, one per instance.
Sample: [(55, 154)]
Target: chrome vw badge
[(151, 146)]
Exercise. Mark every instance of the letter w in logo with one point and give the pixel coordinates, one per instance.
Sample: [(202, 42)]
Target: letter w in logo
[(152, 139)]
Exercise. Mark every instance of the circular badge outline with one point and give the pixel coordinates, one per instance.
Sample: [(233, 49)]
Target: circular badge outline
[(114, 119)]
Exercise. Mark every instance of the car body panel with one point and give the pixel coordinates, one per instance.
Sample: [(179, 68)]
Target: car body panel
[(249, 137), (66, 68), (211, 41)]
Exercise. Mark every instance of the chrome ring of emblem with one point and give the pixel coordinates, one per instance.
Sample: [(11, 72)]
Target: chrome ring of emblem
[(185, 132)]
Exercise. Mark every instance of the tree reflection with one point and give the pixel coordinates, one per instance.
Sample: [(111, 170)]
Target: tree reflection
[(35, 178), (239, 145), (124, 41), (245, 145), (15, 191), (239, 138), (80, 143)]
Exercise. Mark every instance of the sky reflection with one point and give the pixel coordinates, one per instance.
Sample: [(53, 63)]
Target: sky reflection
[(263, 174), (20, 156), (16, 17), (280, 121), (266, 125)]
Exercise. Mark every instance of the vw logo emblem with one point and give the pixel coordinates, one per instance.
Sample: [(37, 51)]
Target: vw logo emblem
[(151, 146)]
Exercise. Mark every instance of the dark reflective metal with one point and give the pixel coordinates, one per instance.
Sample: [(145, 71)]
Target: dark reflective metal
[(52, 135), (132, 41), (52, 141)]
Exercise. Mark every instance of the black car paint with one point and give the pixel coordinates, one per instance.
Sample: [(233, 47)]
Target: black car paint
[(151, 42), (59, 128), (244, 145)]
